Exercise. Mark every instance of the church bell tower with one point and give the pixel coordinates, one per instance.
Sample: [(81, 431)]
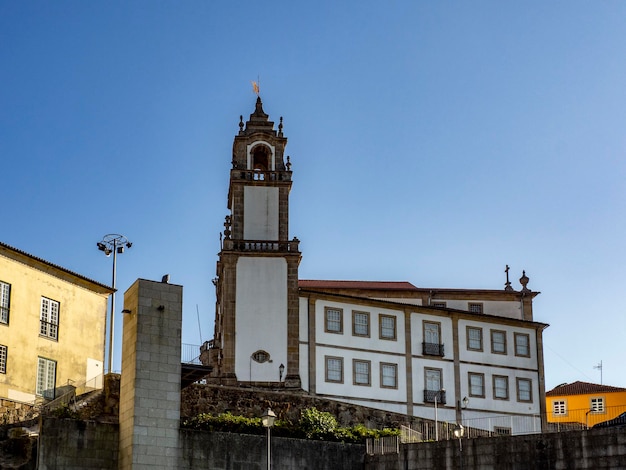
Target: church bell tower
[(257, 311)]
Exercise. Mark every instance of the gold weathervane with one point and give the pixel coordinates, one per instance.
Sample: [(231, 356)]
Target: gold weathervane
[(255, 87)]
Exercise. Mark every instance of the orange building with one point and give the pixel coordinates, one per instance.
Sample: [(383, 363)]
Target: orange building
[(583, 404)]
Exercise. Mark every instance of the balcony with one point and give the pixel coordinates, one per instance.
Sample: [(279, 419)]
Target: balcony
[(270, 246), (256, 175), (432, 349), (429, 396)]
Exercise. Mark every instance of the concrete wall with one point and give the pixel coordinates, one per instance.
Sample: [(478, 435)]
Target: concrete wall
[(576, 450), (221, 451), (87, 445), (67, 444), (71, 445)]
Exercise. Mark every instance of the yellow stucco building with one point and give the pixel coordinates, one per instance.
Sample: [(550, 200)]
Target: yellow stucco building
[(52, 327), (584, 404)]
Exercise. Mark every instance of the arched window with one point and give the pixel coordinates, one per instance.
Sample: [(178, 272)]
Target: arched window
[(261, 158)]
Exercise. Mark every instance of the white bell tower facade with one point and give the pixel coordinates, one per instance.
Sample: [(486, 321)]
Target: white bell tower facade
[(256, 322)]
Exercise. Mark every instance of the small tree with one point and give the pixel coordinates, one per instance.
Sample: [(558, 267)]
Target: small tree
[(317, 424)]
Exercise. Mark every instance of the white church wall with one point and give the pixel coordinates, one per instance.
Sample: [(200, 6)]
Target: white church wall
[(347, 387), (261, 213), (489, 403), (347, 339), (498, 308), (417, 333), (262, 295), (486, 356)]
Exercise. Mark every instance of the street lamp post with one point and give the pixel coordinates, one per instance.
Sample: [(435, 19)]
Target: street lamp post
[(459, 431), (113, 243), (268, 421), (437, 394)]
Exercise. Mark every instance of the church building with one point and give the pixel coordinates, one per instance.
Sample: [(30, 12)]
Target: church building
[(472, 356)]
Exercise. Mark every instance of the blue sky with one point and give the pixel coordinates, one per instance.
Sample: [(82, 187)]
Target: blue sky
[(432, 142)]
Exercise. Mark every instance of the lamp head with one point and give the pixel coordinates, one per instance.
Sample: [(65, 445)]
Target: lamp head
[(268, 418), (459, 431)]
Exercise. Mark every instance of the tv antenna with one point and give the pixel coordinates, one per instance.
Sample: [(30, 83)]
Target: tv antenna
[(599, 366)]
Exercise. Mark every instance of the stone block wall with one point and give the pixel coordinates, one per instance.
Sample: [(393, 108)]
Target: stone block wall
[(150, 382), (287, 404), (595, 449), (222, 451), (67, 444)]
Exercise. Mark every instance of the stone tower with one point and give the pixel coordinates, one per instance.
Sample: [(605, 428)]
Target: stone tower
[(257, 312)]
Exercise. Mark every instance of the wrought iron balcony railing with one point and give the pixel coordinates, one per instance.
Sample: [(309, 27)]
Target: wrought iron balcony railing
[(432, 349), (429, 396), (262, 245), (256, 175)]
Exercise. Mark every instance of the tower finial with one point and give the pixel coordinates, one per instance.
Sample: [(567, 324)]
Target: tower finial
[(255, 86), (524, 281)]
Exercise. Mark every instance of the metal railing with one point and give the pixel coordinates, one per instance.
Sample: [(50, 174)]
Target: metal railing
[(257, 175), (430, 395), (190, 354), (72, 391), (274, 246), (382, 445), (432, 349)]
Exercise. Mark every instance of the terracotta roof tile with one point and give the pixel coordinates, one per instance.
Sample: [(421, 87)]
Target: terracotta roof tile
[(582, 388), (371, 285)]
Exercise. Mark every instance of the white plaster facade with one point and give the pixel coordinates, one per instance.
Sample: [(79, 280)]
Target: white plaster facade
[(262, 295), (453, 362)]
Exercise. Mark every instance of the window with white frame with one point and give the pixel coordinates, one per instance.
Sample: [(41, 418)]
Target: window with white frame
[(46, 377), (5, 295), (3, 359), (334, 369), (360, 323), (559, 408), (333, 320), (597, 405), (474, 338), (387, 326), (388, 375), (522, 344), (524, 390), (361, 372), (500, 387), (498, 341), (476, 384), (49, 319)]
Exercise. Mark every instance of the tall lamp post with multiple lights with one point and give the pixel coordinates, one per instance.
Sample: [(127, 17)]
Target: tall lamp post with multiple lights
[(113, 243), (268, 422)]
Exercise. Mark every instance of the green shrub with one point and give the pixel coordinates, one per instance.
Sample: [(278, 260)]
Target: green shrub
[(317, 424), (313, 424)]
